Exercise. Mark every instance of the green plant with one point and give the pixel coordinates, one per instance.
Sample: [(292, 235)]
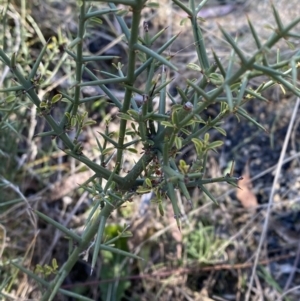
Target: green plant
[(112, 262), (204, 246), (161, 133)]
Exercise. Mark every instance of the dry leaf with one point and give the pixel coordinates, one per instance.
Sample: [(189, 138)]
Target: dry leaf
[(245, 194)]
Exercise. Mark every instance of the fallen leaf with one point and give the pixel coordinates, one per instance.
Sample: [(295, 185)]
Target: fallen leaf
[(245, 194)]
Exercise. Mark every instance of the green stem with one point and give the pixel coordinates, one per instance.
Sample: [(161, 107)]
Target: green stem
[(200, 46), (87, 237), (79, 62), (130, 77), (162, 99), (129, 182)]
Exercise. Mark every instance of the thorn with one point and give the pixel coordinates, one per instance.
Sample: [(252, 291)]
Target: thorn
[(178, 222)]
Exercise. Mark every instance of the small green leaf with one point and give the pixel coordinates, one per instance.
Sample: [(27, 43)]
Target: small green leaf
[(200, 19), (185, 131), (175, 119), (130, 133), (10, 98), (149, 142), (54, 264), (199, 146), (47, 270), (107, 150), (13, 60), (56, 98), (220, 130), (68, 115), (267, 26), (156, 117), (183, 21), (122, 12), (161, 209), (178, 142), (143, 190), (38, 269), (96, 20), (66, 100), (43, 104), (216, 79), (282, 89), (126, 234), (134, 114), (235, 87), (89, 122), (215, 144), (148, 182), (125, 116), (79, 118), (132, 150), (183, 167), (206, 137), (73, 121), (167, 123), (152, 4), (197, 142), (84, 115), (194, 67)]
